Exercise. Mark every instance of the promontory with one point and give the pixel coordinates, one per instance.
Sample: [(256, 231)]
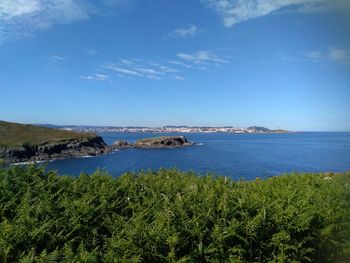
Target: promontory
[(22, 143)]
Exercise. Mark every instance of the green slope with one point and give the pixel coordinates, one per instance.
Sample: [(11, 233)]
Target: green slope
[(15, 135)]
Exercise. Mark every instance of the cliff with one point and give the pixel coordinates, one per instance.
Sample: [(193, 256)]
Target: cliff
[(21, 143)]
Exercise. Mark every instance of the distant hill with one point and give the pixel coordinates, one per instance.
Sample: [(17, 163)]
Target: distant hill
[(47, 125), (263, 129), (259, 129), (24, 142)]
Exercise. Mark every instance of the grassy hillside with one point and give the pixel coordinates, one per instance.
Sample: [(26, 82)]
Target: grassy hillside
[(170, 216), (15, 135)]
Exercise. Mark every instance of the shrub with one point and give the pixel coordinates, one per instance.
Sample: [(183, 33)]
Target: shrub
[(171, 216)]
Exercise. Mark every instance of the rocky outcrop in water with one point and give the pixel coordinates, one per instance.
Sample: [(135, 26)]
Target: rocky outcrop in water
[(55, 150), (155, 142), (121, 144)]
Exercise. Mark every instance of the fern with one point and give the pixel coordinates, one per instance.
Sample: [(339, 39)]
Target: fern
[(170, 216)]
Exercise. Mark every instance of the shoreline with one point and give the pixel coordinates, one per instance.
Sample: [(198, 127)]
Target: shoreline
[(51, 160)]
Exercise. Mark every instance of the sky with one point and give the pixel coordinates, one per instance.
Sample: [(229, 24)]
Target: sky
[(273, 63)]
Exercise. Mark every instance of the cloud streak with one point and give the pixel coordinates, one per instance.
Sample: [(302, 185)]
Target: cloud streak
[(314, 55), (334, 54), (99, 77), (57, 58), (339, 55), (91, 52), (131, 71), (174, 68), (187, 32), (202, 57), (122, 70), (178, 77), (237, 11)]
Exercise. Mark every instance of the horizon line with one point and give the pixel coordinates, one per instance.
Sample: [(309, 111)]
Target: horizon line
[(161, 126)]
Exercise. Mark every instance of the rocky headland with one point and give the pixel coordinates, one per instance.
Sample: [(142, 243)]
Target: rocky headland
[(154, 142), (25, 143), (55, 150)]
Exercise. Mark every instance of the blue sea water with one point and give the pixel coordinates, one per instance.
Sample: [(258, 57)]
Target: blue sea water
[(235, 155)]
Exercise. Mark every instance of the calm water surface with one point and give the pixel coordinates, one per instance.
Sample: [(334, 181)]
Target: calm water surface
[(234, 155)]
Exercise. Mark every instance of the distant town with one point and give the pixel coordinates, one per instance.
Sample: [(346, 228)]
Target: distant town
[(173, 129)]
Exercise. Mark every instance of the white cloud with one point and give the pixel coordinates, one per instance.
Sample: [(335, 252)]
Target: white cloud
[(339, 55), (177, 77), (23, 17), (236, 11), (168, 69), (162, 68), (56, 58), (123, 70), (202, 57), (158, 68), (187, 32), (179, 63), (149, 71), (126, 61), (335, 54), (100, 77), (314, 55), (91, 52), (134, 71), (10, 9)]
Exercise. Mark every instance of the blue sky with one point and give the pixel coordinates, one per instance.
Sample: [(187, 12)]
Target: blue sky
[(274, 63)]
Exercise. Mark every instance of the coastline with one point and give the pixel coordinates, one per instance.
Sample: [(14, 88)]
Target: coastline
[(66, 149), (86, 148), (49, 160)]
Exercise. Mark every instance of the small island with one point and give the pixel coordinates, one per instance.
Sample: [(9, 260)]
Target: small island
[(155, 142), (25, 143)]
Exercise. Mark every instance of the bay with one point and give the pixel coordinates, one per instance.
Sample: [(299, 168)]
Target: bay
[(235, 155)]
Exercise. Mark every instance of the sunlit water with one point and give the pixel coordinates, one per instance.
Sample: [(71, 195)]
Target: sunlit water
[(234, 155)]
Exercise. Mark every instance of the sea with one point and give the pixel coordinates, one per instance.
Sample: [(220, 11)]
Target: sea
[(239, 156)]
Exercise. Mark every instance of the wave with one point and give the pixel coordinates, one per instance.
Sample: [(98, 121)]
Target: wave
[(28, 162)]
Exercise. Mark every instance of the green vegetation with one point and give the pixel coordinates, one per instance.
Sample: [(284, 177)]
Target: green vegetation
[(14, 135), (170, 216), (152, 139), (266, 130)]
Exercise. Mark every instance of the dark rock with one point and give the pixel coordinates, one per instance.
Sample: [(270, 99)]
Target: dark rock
[(55, 150), (121, 144), (163, 142), (155, 142)]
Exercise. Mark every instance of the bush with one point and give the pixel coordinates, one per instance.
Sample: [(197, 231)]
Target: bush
[(171, 216)]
